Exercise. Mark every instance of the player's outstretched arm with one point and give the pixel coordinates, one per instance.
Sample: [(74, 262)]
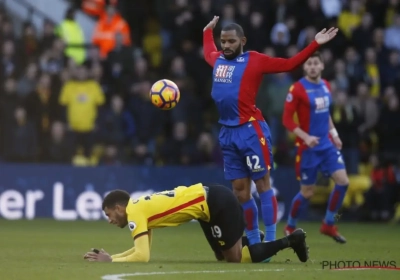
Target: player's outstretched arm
[(124, 254), (210, 51), (141, 251), (269, 64), (290, 108)]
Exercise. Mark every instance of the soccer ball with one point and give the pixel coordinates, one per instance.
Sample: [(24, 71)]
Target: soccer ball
[(165, 94)]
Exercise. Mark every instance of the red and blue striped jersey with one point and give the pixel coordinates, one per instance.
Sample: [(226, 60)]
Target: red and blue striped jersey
[(236, 82), (311, 102)]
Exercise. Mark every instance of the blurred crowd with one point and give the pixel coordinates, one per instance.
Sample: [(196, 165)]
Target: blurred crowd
[(63, 101)]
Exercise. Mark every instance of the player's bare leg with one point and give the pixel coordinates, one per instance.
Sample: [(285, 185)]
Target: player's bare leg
[(335, 203), (234, 254), (299, 203), (269, 206), (242, 190)]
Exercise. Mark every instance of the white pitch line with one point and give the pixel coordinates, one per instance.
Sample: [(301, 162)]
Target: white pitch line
[(136, 274)]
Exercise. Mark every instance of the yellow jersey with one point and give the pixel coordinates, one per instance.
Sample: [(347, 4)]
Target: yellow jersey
[(82, 99), (167, 209)]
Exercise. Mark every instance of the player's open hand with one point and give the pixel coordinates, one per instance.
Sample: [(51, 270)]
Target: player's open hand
[(101, 256), (211, 25), (311, 141), (324, 36), (337, 142)]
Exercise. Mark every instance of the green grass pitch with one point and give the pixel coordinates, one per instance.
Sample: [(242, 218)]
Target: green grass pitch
[(50, 250)]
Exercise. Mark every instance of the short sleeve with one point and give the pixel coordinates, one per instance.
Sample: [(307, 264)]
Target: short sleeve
[(137, 224)]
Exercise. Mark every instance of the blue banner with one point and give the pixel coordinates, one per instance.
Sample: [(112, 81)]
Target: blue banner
[(70, 193)]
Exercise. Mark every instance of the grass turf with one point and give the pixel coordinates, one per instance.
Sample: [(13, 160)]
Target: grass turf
[(51, 250)]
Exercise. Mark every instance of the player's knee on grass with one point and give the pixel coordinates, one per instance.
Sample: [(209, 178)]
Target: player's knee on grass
[(340, 177), (219, 256), (242, 189), (307, 191), (234, 254), (263, 184)]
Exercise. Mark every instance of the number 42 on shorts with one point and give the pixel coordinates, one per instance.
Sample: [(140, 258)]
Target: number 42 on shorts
[(253, 162)]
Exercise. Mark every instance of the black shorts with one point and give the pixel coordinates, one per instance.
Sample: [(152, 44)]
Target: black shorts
[(227, 224)]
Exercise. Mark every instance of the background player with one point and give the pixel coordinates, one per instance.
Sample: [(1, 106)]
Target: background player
[(318, 144), (215, 207), (245, 137)]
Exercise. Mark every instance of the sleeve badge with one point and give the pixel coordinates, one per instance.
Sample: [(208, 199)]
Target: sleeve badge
[(132, 226)]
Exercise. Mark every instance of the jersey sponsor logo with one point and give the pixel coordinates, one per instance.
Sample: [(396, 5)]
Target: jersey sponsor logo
[(132, 226), (321, 104), (224, 73), (289, 97), (82, 98)]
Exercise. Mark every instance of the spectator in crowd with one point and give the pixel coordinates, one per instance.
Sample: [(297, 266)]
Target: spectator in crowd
[(27, 83), (111, 156), (152, 43), (350, 18), (366, 108), (53, 60), (29, 45), (120, 62), (354, 69), (372, 72), (108, 26), (361, 36), (388, 127), (42, 109), (22, 136), (96, 7), (346, 120), (392, 34), (9, 101), (7, 31), (383, 193), (116, 125), (58, 147), (9, 66), (390, 72), (71, 33), (82, 97), (271, 101), (48, 37)]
